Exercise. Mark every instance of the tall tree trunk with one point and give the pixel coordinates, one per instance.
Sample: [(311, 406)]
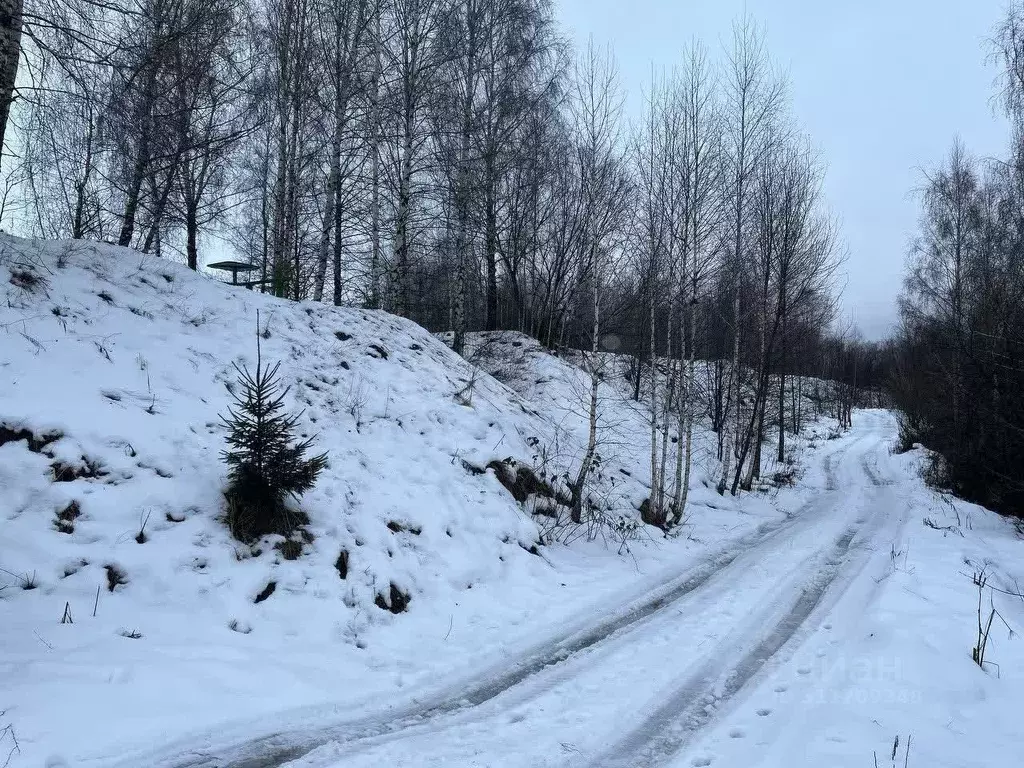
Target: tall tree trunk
[(161, 203), (595, 379), (689, 409), (670, 389), (491, 246), (683, 403), (754, 467), (639, 359), (731, 444), (655, 517), (781, 454), (141, 162), (332, 205), (463, 193), (375, 260), (339, 220), (403, 215), (191, 234), (279, 247), (324, 246), (10, 55), (78, 227), (131, 204)]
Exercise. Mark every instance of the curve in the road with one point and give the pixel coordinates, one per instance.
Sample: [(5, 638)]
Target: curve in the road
[(695, 703), (277, 749)]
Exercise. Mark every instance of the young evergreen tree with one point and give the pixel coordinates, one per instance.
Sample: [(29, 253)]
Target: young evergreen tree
[(266, 461)]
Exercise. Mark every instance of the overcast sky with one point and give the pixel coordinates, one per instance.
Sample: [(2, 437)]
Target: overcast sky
[(882, 87)]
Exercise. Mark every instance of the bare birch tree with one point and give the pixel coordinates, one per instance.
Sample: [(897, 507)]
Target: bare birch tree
[(597, 109), (754, 94)]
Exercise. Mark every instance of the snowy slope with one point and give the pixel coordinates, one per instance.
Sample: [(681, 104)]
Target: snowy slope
[(114, 369), (116, 364), (113, 375)]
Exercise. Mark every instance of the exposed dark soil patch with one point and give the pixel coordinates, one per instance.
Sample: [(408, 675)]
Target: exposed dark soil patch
[(395, 527), (36, 443), (341, 564), (65, 522), (116, 576), (522, 482), (266, 592), (87, 470), (397, 601)]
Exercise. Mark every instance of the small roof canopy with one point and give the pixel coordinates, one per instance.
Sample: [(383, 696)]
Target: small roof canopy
[(233, 266)]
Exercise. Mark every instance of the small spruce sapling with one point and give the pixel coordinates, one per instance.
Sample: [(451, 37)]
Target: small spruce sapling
[(266, 461)]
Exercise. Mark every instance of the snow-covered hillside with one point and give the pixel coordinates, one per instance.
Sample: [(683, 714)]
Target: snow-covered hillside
[(114, 370), (135, 631)]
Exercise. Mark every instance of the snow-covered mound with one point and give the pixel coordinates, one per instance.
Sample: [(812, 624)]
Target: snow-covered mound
[(116, 370), (559, 387), (114, 373)]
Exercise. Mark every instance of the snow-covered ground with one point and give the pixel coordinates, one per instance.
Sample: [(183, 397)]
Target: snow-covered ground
[(819, 643), (807, 626)]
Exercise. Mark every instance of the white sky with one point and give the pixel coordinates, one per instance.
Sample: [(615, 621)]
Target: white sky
[(882, 86)]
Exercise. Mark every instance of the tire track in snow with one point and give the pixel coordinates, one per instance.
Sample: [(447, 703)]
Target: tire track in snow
[(277, 749), (800, 580), (695, 704), (533, 689), (872, 472)]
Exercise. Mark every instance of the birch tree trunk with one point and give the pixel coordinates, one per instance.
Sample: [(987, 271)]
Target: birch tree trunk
[(463, 192), (374, 148), (755, 95), (402, 287), (683, 406), (323, 248), (781, 454), (595, 380)]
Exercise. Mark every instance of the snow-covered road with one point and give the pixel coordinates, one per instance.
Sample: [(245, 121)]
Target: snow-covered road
[(641, 682), (643, 693)]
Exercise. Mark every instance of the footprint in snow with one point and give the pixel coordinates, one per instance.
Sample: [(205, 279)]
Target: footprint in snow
[(699, 762), (763, 712), (736, 733), (803, 670)]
